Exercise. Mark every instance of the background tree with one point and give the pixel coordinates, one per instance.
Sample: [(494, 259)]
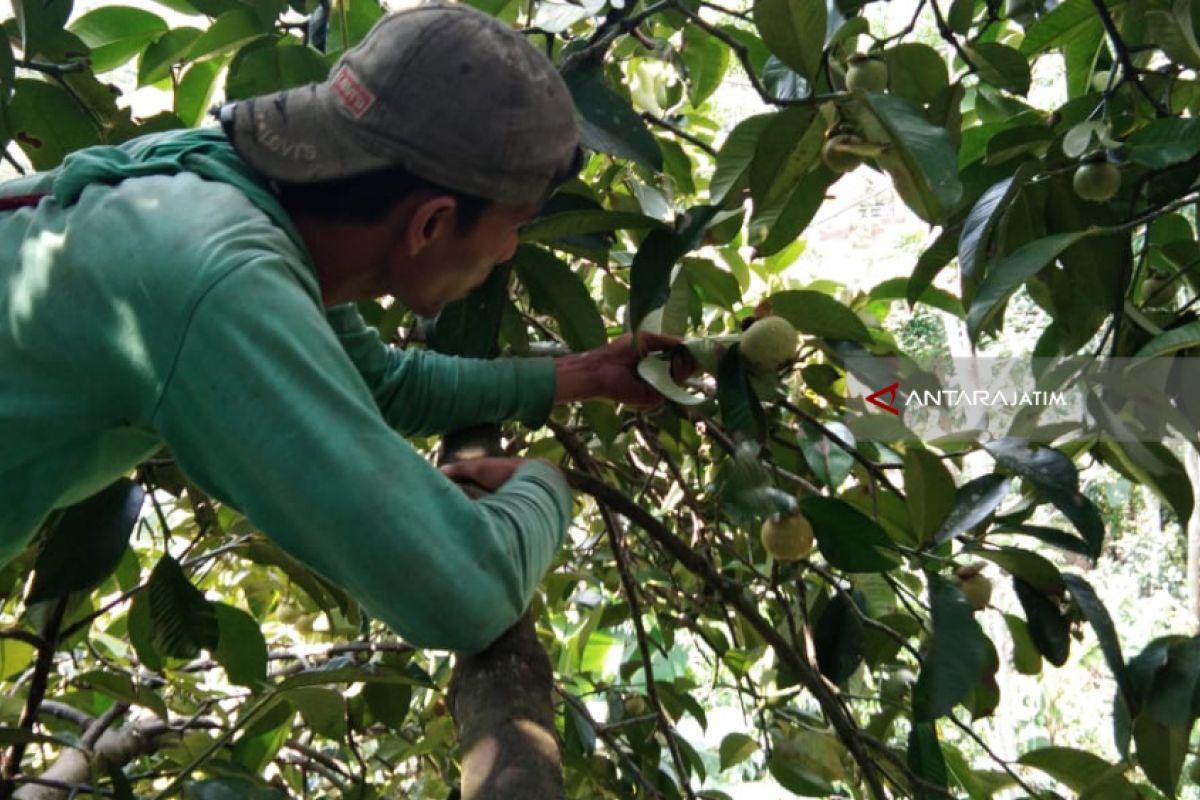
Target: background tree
[(202, 659)]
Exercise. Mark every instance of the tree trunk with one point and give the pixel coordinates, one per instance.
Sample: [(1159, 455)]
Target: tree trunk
[(501, 699), (73, 767)]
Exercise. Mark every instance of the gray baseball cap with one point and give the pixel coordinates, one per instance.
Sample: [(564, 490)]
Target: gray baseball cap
[(448, 92)]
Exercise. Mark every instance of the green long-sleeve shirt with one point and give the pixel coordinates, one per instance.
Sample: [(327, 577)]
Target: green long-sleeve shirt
[(160, 295)]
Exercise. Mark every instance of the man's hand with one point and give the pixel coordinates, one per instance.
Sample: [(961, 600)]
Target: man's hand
[(611, 371), (486, 473)]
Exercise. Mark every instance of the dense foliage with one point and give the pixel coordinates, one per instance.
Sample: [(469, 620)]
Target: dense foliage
[(861, 666)]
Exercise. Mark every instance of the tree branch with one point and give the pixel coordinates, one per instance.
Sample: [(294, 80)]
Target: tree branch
[(733, 593), (1128, 68)]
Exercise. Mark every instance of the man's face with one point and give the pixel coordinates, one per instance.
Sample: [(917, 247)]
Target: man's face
[(458, 260)]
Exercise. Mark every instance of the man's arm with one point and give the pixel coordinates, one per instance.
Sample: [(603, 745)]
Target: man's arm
[(264, 410), (420, 392)]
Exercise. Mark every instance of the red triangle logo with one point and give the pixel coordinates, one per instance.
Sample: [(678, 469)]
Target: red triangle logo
[(890, 391)]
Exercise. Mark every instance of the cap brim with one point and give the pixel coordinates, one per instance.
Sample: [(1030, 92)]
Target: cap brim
[(295, 136)]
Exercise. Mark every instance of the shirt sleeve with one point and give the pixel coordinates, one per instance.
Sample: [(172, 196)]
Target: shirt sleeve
[(420, 392), (265, 410)]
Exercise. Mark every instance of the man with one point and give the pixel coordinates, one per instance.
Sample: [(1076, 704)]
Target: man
[(194, 288)]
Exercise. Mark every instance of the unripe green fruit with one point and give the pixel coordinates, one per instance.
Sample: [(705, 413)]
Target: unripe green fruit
[(769, 343), (836, 157), (1097, 181), (866, 74), (978, 590), (288, 614), (789, 538), (635, 705)]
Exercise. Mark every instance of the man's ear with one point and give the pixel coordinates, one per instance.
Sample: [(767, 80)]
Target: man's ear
[(433, 218)]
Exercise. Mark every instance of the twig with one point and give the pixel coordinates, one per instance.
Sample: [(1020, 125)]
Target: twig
[(734, 594), (1128, 68), (867, 464), (965, 728), (12, 162), (37, 686), (746, 15), (947, 34), (56, 70), (579, 453), (682, 134), (603, 732), (743, 56)]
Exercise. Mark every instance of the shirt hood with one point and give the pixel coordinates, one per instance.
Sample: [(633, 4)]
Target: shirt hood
[(203, 151)]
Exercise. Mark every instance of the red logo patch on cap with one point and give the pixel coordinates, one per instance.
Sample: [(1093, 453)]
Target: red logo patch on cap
[(350, 91)]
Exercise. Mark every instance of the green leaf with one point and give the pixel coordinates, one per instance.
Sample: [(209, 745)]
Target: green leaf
[(15, 657), (829, 462), (736, 748), (8, 73), (897, 289), (706, 60), (183, 621), (1106, 633), (1161, 751), (799, 780), (196, 89), (650, 273), (788, 221), (87, 542), (1172, 341), (263, 67), (389, 703), (956, 655), (120, 687), (924, 757), (1083, 772), (656, 371), (1000, 65), (241, 648), (48, 123), (1174, 31), (931, 262), (231, 787), (141, 632), (736, 155), (608, 124), (227, 33), (350, 21), (838, 638), (264, 737), (818, 314), (916, 72), (1048, 627), (794, 30), (1007, 274), (787, 150), (1152, 464), (470, 326), (929, 491), (974, 245), (323, 710), (1056, 476), (849, 540), (163, 53), (582, 223), (1162, 143), (1026, 658), (116, 34), (1058, 26), (720, 288), (921, 159), (1172, 699), (556, 290), (1030, 567), (741, 410), (973, 503), (747, 490), (38, 22)]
